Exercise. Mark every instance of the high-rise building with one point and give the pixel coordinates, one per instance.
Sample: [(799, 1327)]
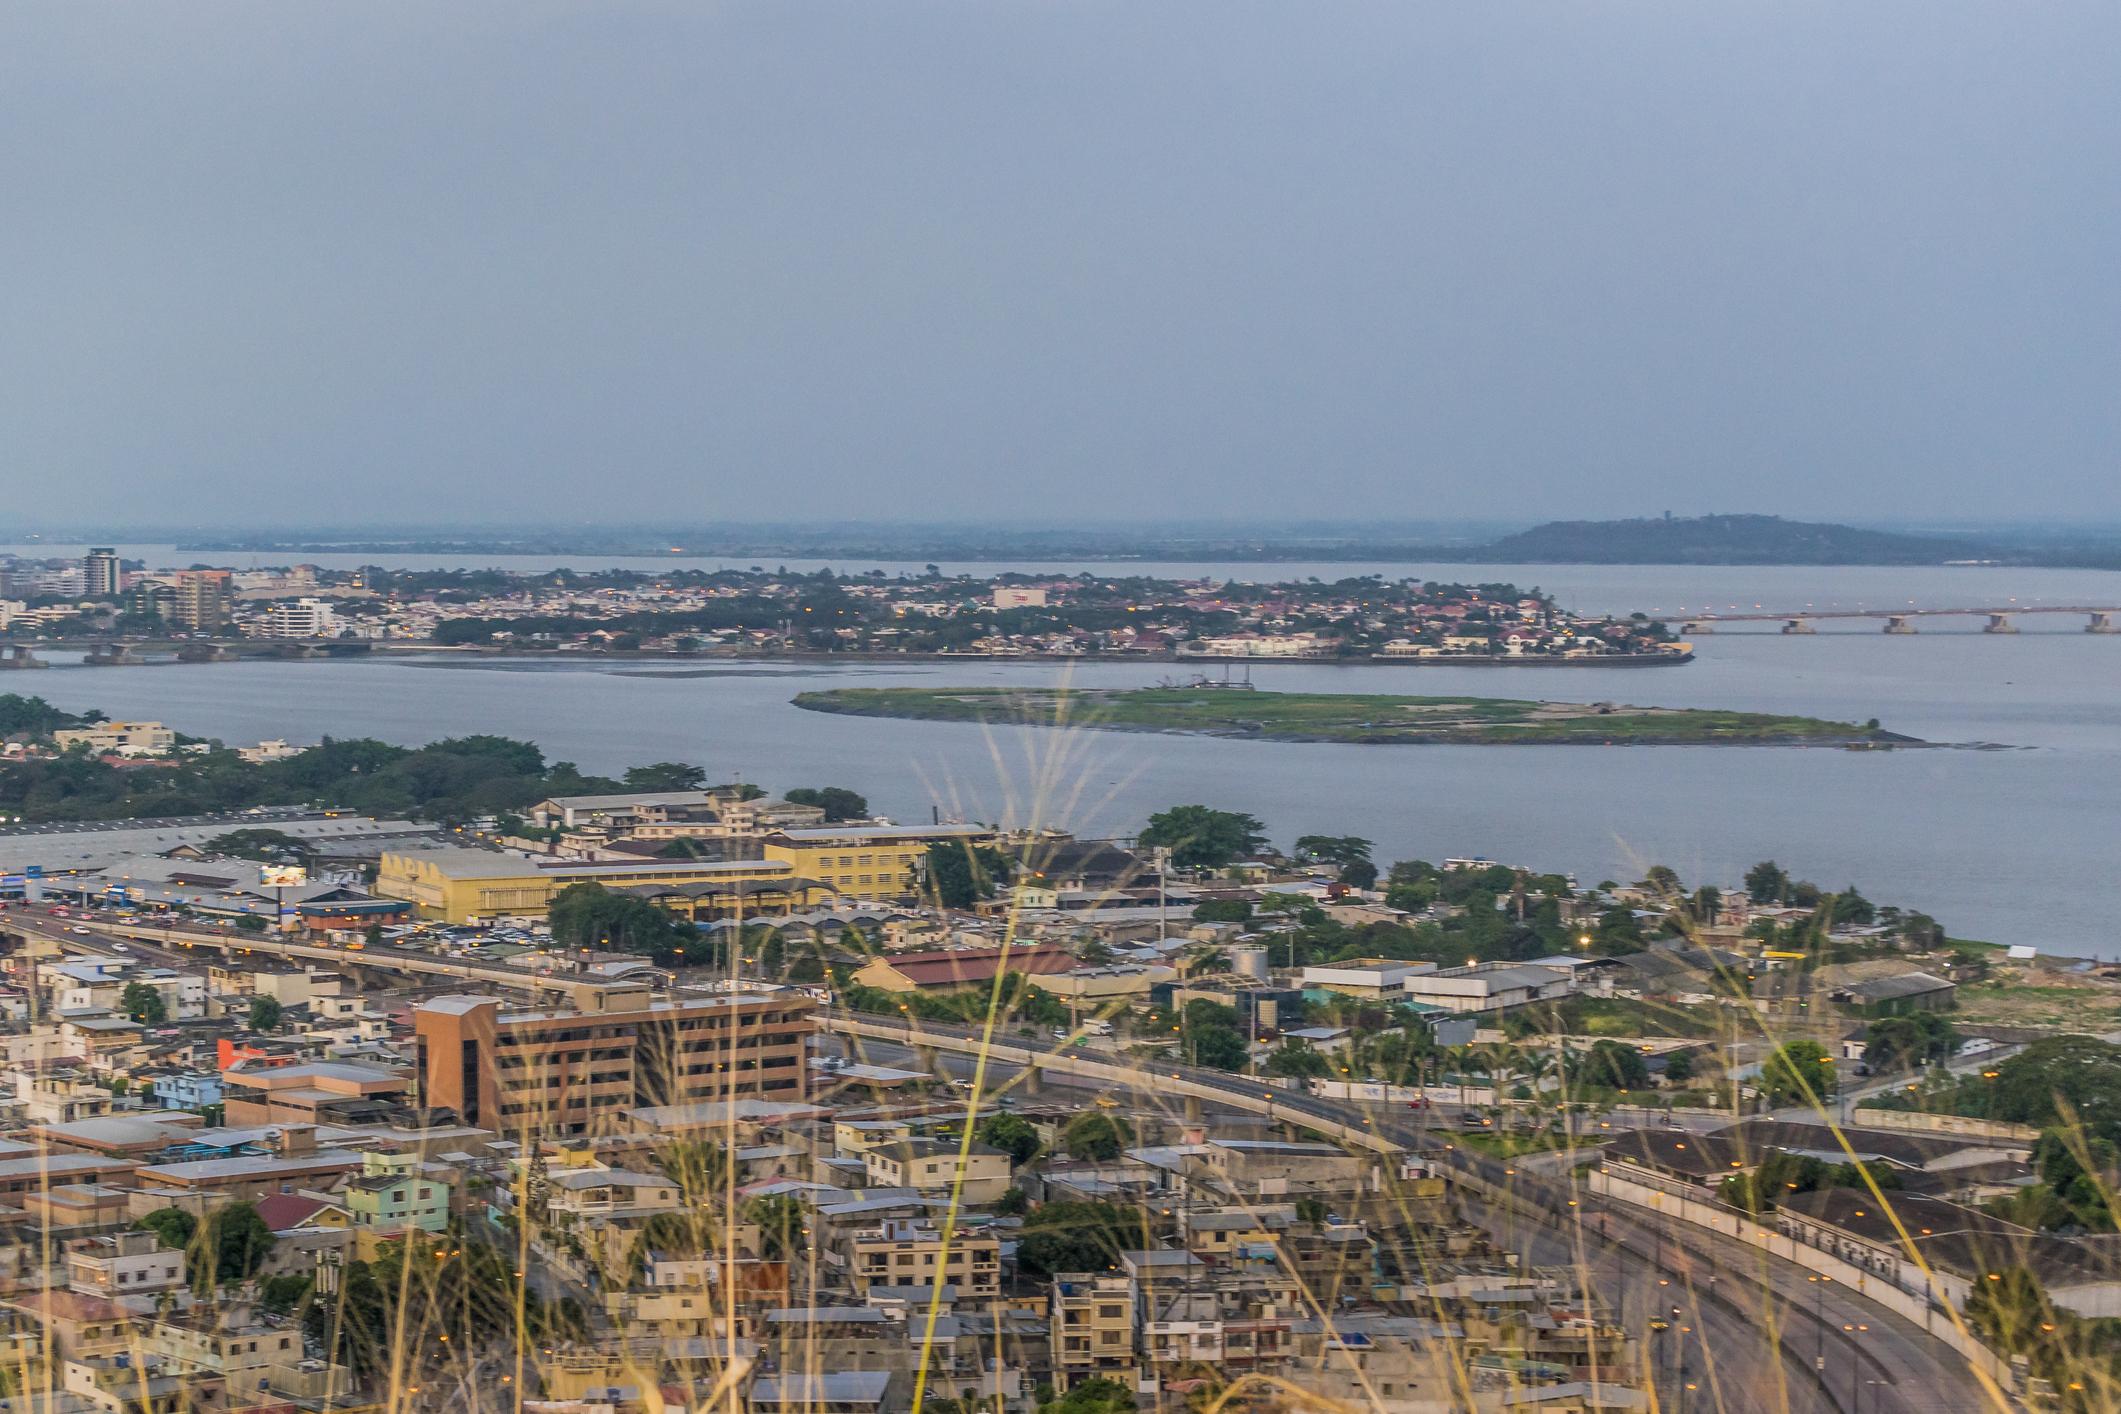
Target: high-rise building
[(530, 1069), (100, 572), (301, 618), (203, 601)]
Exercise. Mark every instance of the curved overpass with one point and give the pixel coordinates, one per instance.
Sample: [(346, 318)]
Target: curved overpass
[(1890, 1363)]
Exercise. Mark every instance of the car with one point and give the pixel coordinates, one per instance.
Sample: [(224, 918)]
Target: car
[(78, 929), (119, 947)]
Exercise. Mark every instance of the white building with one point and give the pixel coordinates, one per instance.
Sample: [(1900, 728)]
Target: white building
[(119, 738), (300, 618), (1488, 986)]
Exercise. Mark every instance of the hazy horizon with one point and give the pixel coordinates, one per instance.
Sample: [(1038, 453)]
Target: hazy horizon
[(535, 264)]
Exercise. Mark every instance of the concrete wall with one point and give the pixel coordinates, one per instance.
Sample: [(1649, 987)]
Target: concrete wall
[(1909, 1122), (1915, 1309)]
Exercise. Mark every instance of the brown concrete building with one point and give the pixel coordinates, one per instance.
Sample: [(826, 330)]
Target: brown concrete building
[(313, 1092), (568, 1072)]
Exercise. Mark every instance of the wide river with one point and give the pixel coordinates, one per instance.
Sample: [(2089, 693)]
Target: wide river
[(2015, 846)]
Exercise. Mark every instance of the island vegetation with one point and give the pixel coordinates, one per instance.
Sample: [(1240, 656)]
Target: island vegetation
[(1349, 717)]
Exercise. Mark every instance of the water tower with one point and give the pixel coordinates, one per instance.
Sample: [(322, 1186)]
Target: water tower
[(1249, 960)]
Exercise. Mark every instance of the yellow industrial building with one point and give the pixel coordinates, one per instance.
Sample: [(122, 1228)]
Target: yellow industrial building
[(467, 885), (801, 869), (868, 861)]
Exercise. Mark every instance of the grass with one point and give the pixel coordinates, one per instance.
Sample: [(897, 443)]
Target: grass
[(1346, 717)]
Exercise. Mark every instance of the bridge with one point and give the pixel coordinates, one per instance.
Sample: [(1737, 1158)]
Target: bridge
[(1901, 621), (135, 652)]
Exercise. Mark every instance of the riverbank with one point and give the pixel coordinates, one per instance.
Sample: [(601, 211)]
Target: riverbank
[(1349, 718)]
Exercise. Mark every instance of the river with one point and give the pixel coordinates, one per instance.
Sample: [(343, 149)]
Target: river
[(2014, 846)]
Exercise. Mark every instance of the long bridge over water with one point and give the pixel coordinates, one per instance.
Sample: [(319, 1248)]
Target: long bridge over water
[(1999, 620)]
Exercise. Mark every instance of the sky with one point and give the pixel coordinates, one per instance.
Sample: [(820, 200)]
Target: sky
[(394, 263)]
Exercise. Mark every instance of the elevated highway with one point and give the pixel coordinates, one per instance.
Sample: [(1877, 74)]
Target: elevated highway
[(1857, 1353), (230, 942)]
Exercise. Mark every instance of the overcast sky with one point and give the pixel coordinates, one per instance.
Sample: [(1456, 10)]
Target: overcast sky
[(297, 262)]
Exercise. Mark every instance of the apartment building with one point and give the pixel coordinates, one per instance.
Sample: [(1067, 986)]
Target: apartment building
[(122, 1264), (978, 1176), (202, 600), (915, 1254), (1093, 1328), (119, 738), (565, 1071)]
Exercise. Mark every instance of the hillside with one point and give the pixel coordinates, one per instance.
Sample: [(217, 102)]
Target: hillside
[(1720, 540)]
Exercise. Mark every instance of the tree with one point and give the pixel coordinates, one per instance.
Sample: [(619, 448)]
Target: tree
[(1013, 1134), (1663, 881), (1614, 1066), (781, 1221), (1679, 1067), (229, 1245), (960, 875), (1796, 1072), (1850, 909), (1296, 1061), (1097, 1136), (1223, 910), (264, 1014), (1096, 1395), (143, 1003), (282, 1294), (2059, 1080), (251, 923), (588, 915), (1350, 852), (240, 1239), (1908, 1042), (837, 802), (173, 1226), (1203, 838), (1766, 883), (1080, 1236), (1218, 1047), (664, 776)]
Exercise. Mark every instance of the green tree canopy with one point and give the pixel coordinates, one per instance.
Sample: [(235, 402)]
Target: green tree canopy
[(664, 776), (143, 1003), (837, 802), (1014, 1134), (960, 875), (1203, 838), (264, 1014), (1080, 1236), (1796, 1072), (1097, 1136)]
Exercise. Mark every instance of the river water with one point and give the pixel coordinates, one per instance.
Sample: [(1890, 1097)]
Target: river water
[(2016, 845)]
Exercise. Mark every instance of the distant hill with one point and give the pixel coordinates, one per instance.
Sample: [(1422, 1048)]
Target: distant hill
[(1720, 540)]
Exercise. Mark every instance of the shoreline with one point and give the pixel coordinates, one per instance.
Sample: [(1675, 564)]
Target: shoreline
[(164, 658)]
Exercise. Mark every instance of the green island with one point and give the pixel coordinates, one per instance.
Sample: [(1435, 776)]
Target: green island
[(1388, 719)]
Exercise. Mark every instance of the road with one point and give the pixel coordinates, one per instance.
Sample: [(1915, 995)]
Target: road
[(1870, 1355), (1871, 1359)]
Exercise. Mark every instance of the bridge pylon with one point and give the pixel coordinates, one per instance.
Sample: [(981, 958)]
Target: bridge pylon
[(1799, 625), (2103, 622), (1899, 623), (1999, 623), (1694, 628)]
